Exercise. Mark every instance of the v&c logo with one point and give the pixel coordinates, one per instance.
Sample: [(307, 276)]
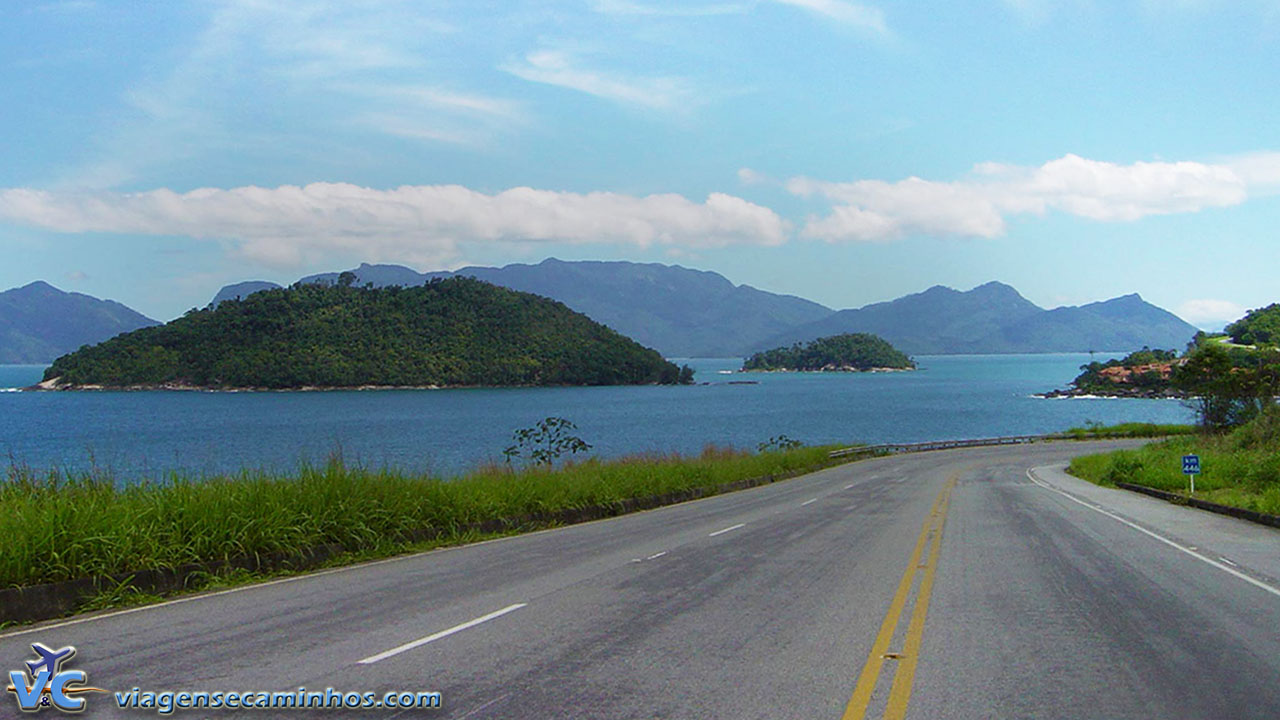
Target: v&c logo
[(49, 684)]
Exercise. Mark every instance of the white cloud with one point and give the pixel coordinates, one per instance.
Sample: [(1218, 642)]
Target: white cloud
[(275, 57), (979, 205), (425, 223), (747, 176), (1210, 314), (848, 13), (556, 67), (625, 7)]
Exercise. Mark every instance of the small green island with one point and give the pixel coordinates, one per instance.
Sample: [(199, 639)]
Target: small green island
[(850, 352), (456, 332)]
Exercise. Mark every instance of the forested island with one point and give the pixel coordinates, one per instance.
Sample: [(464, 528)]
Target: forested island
[(454, 332), (850, 352), (1145, 373)]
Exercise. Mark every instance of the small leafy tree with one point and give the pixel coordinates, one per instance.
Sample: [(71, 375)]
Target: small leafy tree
[(779, 443), (546, 441), (1220, 396)]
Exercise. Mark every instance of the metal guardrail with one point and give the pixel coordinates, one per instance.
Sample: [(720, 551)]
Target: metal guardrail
[(894, 448)]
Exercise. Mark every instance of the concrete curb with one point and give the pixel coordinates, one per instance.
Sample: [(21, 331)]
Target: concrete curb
[(1180, 499), (32, 603)]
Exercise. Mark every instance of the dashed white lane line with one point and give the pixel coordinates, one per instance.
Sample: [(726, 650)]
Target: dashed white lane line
[(654, 556), (1221, 566), (809, 502), (849, 486), (728, 529), (443, 633)]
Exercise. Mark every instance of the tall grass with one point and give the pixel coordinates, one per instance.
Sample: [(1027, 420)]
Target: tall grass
[(1093, 431), (1241, 469), (59, 525)]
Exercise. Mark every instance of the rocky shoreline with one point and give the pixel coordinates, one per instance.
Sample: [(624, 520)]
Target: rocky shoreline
[(1118, 392)]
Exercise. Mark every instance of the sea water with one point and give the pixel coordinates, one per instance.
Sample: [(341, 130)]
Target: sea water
[(148, 434)]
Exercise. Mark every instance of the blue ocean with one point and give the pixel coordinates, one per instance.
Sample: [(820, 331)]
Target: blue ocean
[(139, 435)]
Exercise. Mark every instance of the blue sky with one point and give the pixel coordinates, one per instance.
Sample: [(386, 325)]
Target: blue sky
[(843, 151)]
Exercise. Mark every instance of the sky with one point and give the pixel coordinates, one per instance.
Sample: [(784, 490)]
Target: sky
[(847, 152)]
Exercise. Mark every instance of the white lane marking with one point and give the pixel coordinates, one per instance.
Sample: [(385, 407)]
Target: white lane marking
[(849, 486), (443, 633), (809, 502), (1227, 561), (1252, 581), (654, 556), (728, 529)]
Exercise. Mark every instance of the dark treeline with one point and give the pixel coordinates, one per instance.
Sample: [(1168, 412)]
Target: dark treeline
[(859, 351), (1258, 327), (458, 332)]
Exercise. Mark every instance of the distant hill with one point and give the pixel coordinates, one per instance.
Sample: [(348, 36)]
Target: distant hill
[(452, 332), (995, 318), (39, 322), (241, 290), (681, 312)]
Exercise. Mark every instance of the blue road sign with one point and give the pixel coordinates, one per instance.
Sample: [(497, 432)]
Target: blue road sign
[(1190, 464)]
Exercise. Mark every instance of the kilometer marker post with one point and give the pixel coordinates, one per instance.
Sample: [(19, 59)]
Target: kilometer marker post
[(1191, 468)]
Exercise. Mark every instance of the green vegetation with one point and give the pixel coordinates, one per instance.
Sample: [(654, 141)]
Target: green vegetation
[(1258, 327), (851, 351), (1240, 468), (1093, 430), (60, 527), (1228, 387), (1093, 380), (545, 442), (454, 332)]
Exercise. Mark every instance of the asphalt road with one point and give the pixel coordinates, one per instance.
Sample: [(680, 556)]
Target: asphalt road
[(949, 584)]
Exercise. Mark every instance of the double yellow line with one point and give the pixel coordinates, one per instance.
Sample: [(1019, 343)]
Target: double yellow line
[(909, 655)]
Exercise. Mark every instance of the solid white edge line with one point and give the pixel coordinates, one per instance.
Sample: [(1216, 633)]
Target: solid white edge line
[(443, 633), (731, 527), (1252, 581), (655, 556), (808, 502)]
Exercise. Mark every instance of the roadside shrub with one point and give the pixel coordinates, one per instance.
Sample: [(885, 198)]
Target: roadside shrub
[(1125, 467)]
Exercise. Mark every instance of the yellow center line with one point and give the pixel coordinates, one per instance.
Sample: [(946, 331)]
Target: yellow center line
[(901, 690), (930, 535)]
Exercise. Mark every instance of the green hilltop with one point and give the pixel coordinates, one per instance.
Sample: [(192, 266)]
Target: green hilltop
[(850, 351), (453, 332)]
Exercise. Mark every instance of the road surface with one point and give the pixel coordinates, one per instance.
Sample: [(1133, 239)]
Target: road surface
[(949, 584)]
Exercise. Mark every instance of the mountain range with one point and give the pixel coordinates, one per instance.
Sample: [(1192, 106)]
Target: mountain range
[(995, 318), (39, 322), (678, 311), (696, 313)]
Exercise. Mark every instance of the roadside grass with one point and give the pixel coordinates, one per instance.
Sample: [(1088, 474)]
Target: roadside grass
[(1240, 469), (63, 526), (124, 595), (1093, 431)]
